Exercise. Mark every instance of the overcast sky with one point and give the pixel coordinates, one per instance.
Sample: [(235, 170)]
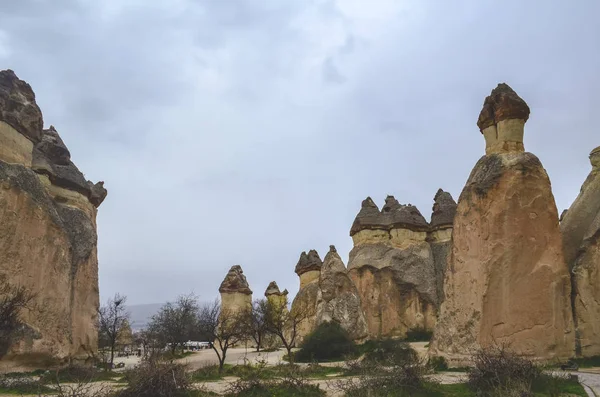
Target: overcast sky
[(244, 132)]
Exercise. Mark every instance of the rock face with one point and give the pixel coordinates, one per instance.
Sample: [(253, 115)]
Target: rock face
[(440, 235), (507, 280), (309, 270), (392, 266), (48, 234), (338, 299), (236, 294), (580, 228)]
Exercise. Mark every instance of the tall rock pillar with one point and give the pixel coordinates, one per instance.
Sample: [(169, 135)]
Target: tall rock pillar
[(274, 296), (507, 280), (308, 269), (440, 235), (236, 294), (392, 267), (580, 227)]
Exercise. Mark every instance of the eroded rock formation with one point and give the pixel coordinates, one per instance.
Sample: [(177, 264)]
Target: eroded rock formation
[(236, 294), (580, 228), (440, 235), (308, 269), (392, 266), (338, 299), (47, 232), (507, 280), (275, 296)]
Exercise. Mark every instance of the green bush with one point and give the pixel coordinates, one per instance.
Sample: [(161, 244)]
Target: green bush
[(390, 352), (328, 342)]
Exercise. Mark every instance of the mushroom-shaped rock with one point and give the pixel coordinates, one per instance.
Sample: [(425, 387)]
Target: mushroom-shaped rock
[(368, 217), (407, 217), (18, 107), (273, 289), (308, 262), (502, 104), (507, 280), (235, 281), (444, 209), (502, 120)]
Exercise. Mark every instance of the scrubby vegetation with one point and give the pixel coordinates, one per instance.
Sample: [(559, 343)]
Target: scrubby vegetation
[(328, 342)]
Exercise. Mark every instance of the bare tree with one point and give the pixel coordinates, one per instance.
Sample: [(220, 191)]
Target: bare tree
[(112, 321), (13, 299), (175, 323), (257, 321), (224, 328), (284, 323)]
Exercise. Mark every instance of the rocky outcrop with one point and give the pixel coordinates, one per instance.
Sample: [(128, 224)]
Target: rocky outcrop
[(439, 236), (308, 269), (580, 228), (507, 280), (392, 266), (236, 294), (338, 299), (48, 240), (275, 296)]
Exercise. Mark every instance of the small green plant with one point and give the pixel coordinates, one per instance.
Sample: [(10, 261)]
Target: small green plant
[(438, 364), (328, 342)]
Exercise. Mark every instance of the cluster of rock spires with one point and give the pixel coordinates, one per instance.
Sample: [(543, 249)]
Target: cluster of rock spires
[(495, 268), (47, 232)]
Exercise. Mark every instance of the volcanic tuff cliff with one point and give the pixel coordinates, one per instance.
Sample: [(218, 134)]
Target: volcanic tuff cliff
[(507, 280), (580, 227), (338, 299), (392, 266), (47, 232)]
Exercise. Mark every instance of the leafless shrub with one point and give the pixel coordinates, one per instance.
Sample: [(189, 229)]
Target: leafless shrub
[(13, 299), (153, 378), (499, 370)]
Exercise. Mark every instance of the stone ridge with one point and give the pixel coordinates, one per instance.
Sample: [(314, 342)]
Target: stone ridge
[(444, 209), (308, 262), (235, 281), (502, 104), (18, 107), (393, 215), (273, 289), (50, 155)]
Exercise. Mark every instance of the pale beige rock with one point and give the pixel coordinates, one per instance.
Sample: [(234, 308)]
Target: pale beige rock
[(308, 269), (581, 238), (14, 147), (236, 295), (48, 240), (392, 268), (507, 280), (338, 299)]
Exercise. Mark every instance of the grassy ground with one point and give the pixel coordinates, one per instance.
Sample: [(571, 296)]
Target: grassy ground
[(211, 373)]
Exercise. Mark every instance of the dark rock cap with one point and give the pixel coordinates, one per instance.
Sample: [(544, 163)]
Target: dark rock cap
[(308, 262), (444, 209), (502, 104), (18, 107), (235, 281), (595, 151), (393, 215), (52, 158), (273, 289)]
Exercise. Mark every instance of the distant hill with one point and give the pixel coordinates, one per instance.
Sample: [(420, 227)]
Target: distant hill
[(140, 314)]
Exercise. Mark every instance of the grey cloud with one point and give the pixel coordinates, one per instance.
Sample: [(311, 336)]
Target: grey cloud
[(220, 144)]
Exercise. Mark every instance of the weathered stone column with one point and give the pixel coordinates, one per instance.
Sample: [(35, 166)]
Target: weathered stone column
[(392, 267), (308, 269), (236, 294), (440, 235), (580, 227), (506, 280), (275, 296)]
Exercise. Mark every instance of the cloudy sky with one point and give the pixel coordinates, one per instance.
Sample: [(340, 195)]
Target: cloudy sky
[(246, 131)]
